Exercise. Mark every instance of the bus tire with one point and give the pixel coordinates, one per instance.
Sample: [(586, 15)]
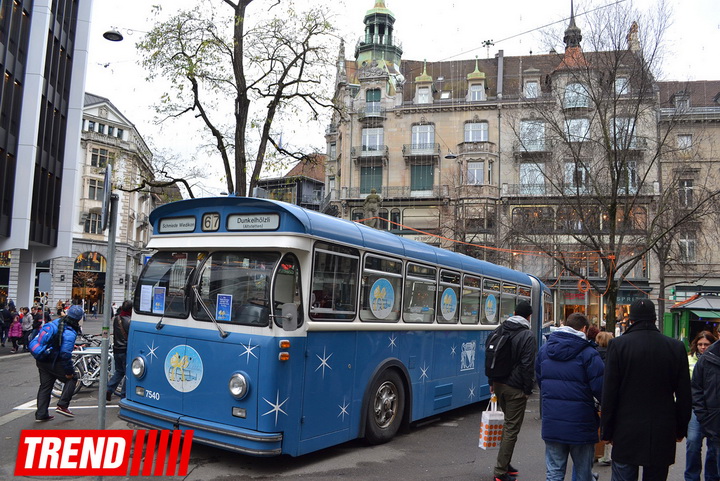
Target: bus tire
[(385, 408)]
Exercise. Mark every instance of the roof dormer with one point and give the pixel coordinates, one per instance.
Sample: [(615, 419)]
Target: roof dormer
[(476, 85)]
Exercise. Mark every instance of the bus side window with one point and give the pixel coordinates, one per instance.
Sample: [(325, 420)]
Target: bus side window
[(287, 293)]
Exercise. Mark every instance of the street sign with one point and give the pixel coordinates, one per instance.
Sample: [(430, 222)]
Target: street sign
[(44, 280), (107, 193)]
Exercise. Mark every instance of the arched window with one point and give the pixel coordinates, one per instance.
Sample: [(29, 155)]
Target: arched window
[(90, 261)]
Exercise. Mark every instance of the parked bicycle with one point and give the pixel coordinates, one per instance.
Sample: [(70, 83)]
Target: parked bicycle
[(87, 362)]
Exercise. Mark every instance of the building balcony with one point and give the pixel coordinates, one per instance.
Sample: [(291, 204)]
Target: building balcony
[(483, 191), (369, 153), (397, 193), (532, 148), (371, 111), (421, 151), (546, 190), (477, 148), (331, 130)]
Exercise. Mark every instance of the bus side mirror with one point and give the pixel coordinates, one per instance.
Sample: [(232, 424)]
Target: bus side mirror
[(289, 316)]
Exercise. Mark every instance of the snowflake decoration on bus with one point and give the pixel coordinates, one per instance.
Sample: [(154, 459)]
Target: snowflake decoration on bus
[(277, 407), (472, 391), (423, 372), (344, 409), (392, 340), (151, 351), (324, 362), (248, 350)]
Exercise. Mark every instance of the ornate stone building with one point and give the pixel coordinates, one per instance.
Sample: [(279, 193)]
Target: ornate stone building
[(506, 158)]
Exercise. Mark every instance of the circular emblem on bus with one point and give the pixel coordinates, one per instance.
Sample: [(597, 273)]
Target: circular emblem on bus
[(490, 308), (448, 304), (382, 298), (183, 368)]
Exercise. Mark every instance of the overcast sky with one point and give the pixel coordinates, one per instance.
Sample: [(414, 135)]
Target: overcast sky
[(428, 29)]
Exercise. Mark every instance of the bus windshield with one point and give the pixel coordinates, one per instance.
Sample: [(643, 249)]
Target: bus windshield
[(162, 287), (235, 287)]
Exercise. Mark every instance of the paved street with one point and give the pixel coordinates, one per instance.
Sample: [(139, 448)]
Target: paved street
[(444, 448)]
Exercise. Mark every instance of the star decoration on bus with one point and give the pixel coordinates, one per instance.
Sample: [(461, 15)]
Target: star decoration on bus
[(452, 351), (423, 372), (151, 351), (324, 362), (392, 344), (248, 350), (277, 407), (472, 392), (344, 409)]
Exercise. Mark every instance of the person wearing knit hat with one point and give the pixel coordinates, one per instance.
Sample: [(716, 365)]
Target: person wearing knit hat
[(646, 397)]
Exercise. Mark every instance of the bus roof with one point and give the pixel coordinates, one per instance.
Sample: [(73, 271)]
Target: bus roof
[(296, 219)]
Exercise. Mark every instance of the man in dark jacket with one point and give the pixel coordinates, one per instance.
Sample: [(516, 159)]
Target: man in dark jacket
[(569, 372), (59, 367), (121, 327), (646, 397), (512, 391), (706, 396)]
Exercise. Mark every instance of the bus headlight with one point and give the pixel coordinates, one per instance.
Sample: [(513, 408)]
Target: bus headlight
[(138, 367), (238, 385)]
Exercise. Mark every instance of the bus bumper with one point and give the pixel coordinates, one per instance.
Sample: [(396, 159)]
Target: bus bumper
[(205, 432)]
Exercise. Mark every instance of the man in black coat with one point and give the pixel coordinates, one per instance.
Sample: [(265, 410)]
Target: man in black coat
[(706, 395), (646, 397)]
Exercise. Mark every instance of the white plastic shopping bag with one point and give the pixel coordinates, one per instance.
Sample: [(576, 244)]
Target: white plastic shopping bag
[(491, 426)]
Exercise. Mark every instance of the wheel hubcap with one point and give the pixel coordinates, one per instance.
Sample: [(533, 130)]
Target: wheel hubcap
[(385, 404)]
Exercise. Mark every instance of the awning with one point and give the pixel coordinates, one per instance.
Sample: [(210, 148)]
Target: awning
[(707, 314)]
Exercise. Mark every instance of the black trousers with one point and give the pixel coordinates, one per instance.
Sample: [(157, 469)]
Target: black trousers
[(49, 372)]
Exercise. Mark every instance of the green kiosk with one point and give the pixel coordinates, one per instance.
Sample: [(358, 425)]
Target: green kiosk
[(685, 319)]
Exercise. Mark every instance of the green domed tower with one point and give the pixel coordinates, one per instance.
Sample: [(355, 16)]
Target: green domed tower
[(379, 42)]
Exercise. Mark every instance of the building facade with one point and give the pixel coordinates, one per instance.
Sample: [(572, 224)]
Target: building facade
[(43, 55), (303, 185), (690, 118), (549, 163), (108, 138)]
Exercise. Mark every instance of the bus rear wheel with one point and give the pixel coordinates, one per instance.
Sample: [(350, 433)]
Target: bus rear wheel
[(385, 408)]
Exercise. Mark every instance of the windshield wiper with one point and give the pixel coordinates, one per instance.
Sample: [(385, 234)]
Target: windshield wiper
[(223, 334)]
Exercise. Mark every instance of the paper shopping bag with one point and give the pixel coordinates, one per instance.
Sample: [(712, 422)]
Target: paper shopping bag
[(491, 426)]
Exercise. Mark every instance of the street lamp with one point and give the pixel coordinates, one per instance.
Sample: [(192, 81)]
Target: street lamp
[(113, 35)]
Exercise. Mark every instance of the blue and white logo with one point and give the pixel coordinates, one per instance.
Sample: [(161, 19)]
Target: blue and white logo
[(183, 368), (448, 304), (491, 308), (382, 298)]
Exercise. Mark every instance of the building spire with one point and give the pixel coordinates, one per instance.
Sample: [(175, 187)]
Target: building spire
[(573, 37)]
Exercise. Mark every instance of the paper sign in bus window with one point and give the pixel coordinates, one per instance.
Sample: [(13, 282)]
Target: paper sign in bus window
[(223, 311), (158, 300)]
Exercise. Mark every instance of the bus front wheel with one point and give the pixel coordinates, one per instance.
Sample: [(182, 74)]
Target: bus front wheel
[(385, 408)]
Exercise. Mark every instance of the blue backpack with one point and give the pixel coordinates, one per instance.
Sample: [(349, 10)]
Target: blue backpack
[(46, 344)]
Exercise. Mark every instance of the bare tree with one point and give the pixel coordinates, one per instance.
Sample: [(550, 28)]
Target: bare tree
[(589, 146), (238, 74)]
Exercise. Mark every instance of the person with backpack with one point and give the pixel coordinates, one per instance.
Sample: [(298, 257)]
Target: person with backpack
[(121, 327), (569, 372), (52, 349), (510, 367)]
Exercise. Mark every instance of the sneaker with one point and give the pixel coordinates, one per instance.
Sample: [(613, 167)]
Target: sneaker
[(48, 418), (603, 462), (13, 351), (503, 477), (64, 411), (512, 471)]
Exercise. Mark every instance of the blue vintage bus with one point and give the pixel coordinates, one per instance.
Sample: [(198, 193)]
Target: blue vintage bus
[(269, 329)]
